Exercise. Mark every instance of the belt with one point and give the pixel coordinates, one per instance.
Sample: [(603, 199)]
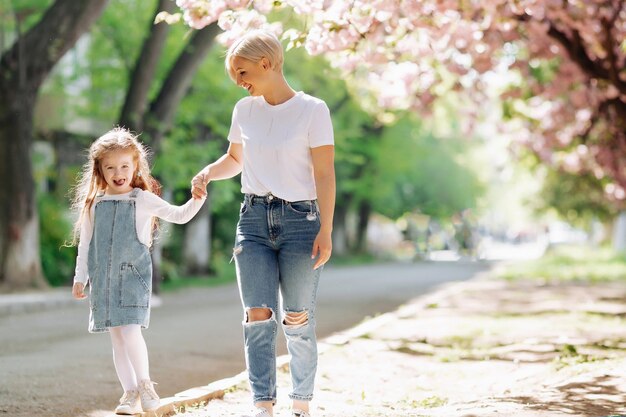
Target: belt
[(269, 198), (264, 199)]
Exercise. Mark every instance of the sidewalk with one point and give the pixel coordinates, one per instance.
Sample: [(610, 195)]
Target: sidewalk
[(34, 301), (473, 349)]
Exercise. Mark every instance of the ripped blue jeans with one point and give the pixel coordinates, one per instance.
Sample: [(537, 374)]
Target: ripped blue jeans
[(273, 255)]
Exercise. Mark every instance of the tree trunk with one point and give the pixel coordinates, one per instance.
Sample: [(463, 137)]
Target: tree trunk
[(159, 118), (136, 100), (619, 232), (197, 244), (365, 209), (156, 251), (23, 68), (157, 121), (19, 240), (340, 230)]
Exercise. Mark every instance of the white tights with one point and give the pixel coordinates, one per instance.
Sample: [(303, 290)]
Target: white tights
[(130, 355)]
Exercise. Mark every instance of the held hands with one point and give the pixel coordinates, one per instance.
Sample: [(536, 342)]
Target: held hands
[(322, 248), (199, 183), (78, 291)]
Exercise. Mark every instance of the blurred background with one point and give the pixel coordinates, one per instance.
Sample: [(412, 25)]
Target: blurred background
[(471, 137), (507, 140)]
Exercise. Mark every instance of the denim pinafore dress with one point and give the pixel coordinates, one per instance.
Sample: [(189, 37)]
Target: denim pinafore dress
[(120, 268)]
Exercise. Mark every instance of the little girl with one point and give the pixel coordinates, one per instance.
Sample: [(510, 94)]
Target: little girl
[(118, 210)]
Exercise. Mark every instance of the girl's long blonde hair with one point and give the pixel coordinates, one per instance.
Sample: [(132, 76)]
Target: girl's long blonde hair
[(91, 182)]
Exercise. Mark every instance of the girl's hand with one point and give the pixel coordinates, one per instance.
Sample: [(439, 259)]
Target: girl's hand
[(198, 184), (322, 248), (78, 291)]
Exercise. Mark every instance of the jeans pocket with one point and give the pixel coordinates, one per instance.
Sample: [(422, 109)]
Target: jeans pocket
[(301, 207), (135, 291), (243, 209)]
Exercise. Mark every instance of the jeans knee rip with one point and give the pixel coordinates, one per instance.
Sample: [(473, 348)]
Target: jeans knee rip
[(248, 322), (296, 319)]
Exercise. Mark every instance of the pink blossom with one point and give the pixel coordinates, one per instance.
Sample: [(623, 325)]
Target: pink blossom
[(263, 6), (572, 162), (306, 6), (402, 51)]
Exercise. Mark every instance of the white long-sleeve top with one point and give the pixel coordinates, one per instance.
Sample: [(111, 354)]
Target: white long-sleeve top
[(147, 205)]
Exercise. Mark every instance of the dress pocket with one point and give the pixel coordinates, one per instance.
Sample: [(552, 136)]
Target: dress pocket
[(134, 290)]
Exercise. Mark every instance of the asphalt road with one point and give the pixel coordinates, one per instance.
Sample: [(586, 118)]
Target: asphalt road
[(51, 366)]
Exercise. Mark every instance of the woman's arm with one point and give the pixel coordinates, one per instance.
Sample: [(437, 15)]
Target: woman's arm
[(324, 172), (229, 165)]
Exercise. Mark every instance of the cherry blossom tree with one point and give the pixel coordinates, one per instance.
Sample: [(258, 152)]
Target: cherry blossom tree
[(564, 60)]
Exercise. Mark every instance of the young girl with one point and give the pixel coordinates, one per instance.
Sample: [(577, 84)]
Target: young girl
[(282, 143), (118, 210)]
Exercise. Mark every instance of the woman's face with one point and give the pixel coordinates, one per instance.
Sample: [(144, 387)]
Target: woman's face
[(251, 75)]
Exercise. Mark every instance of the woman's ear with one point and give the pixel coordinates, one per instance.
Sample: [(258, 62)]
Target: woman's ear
[(265, 63)]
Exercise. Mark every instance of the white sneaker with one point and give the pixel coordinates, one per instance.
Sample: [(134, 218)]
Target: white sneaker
[(148, 396), (299, 413), (261, 412), (129, 403)]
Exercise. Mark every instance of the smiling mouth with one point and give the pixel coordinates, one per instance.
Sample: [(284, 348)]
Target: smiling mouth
[(119, 183)]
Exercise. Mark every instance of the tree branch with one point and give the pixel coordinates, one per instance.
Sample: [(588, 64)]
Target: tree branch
[(162, 109), (576, 51), (608, 24), (46, 42), (142, 75)]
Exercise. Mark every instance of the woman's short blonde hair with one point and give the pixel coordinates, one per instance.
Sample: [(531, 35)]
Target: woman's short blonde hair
[(254, 46)]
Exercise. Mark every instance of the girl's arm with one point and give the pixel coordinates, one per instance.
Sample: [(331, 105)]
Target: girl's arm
[(160, 208), (324, 172), (81, 273), (229, 165)]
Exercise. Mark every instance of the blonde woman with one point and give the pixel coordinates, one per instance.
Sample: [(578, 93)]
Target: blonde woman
[(282, 143)]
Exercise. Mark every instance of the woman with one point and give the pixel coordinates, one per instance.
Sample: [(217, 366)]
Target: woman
[(282, 142)]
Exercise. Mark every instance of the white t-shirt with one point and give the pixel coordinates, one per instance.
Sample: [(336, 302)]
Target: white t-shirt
[(147, 205), (277, 142)]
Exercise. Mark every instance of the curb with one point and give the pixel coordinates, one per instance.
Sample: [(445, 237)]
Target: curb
[(36, 301)]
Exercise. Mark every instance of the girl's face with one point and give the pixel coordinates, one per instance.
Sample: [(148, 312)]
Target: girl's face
[(118, 169), (251, 75)]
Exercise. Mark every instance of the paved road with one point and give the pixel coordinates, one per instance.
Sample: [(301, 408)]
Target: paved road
[(50, 365)]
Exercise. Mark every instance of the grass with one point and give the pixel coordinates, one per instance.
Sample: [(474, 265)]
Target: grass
[(225, 273), (570, 263), (196, 281), (569, 356), (429, 402)]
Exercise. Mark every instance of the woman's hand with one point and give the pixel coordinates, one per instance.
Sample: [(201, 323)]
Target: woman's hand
[(78, 291), (322, 248), (199, 183)]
